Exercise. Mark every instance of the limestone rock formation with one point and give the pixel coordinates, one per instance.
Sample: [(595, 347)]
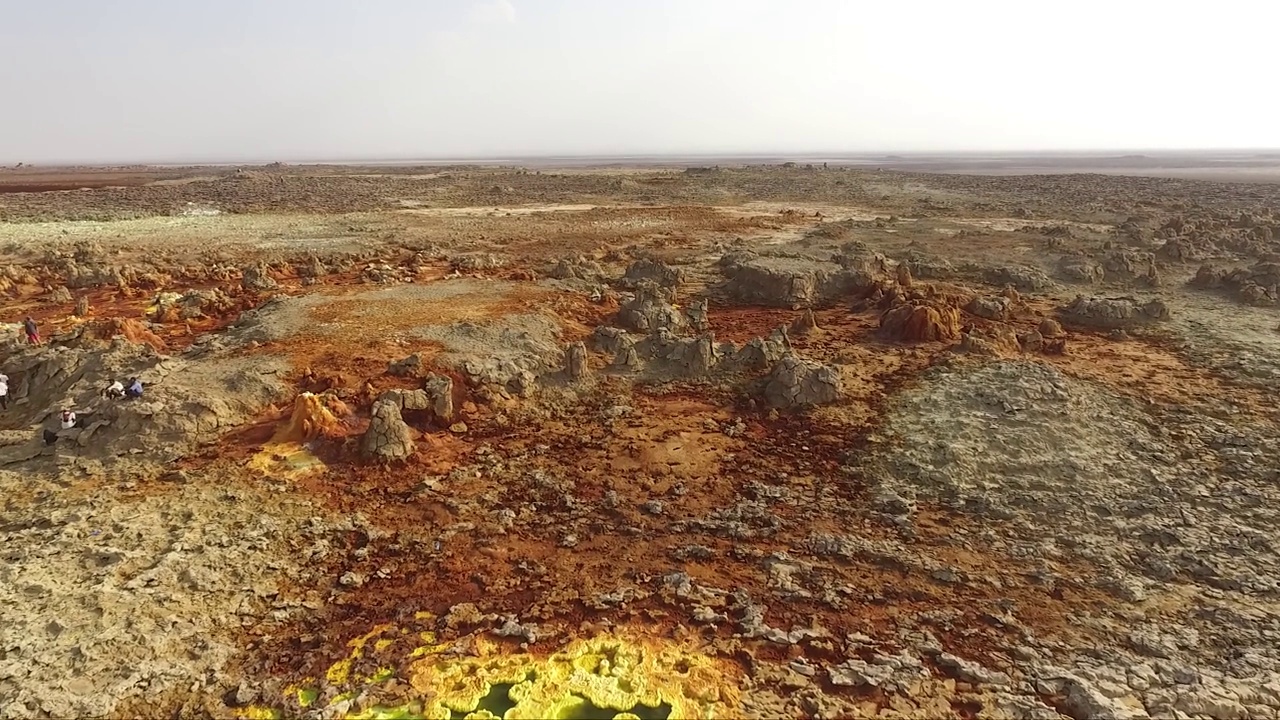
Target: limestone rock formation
[(388, 437), (132, 330), (1026, 279), (607, 339), (796, 383), (650, 309), (923, 266), (995, 342), (406, 367), (625, 355), (435, 398), (82, 306), (60, 294), (761, 353), (804, 324), (789, 282), (694, 356), (1080, 269), (194, 304), (655, 271), (1255, 285), (257, 277), (1050, 328), (1129, 264), (1113, 312), (904, 275), (699, 315), (992, 308), (1031, 341), (577, 268), (439, 388), (1209, 277), (575, 366), (312, 268), (471, 262), (921, 322)]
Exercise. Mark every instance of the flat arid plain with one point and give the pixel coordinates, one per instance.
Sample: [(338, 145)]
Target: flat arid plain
[(764, 440)]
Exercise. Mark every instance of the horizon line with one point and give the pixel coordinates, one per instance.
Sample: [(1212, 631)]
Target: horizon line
[(670, 157)]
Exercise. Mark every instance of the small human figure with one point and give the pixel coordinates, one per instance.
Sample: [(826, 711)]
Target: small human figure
[(114, 391), (33, 331), (4, 391), (135, 388), (68, 419)]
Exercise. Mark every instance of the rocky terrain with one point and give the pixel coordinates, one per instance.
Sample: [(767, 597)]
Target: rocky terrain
[(721, 442)]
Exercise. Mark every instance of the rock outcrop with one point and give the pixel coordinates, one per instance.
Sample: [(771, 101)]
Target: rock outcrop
[(132, 330), (804, 324), (650, 309), (763, 353), (921, 322), (797, 383), (655, 271), (257, 278), (1123, 312), (1080, 269), (789, 282), (991, 308), (1256, 285), (699, 315), (1026, 279), (575, 365), (1050, 328), (999, 341), (577, 268), (388, 437)]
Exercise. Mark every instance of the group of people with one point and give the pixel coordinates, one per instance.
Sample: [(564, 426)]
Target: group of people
[(67, 419), (117, 390)]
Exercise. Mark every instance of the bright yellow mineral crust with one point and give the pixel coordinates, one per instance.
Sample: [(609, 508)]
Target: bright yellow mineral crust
[(609, 676)]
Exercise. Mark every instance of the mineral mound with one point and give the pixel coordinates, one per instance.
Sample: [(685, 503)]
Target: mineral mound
[(1123, 312), (921, 322), (788, 282)]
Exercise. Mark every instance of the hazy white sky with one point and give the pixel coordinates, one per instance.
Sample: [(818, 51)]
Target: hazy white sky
[(227, 80)]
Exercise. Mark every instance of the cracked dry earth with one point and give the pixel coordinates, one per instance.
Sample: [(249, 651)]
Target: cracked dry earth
[(752, 442)]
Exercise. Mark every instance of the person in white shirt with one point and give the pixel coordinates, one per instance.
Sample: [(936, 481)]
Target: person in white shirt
[(114, 391), (68, 419), (4, 391)]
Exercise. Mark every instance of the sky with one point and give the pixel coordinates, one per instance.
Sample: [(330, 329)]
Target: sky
[(298, 80)]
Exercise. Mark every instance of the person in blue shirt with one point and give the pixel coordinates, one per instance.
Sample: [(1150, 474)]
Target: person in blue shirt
[(135, 388)]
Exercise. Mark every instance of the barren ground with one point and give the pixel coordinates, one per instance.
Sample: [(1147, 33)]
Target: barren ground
[(726, 442)]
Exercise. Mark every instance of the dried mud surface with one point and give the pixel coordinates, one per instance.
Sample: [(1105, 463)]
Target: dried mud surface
[(722, 442)]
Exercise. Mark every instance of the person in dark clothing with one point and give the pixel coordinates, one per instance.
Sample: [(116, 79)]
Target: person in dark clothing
[(33, 331)]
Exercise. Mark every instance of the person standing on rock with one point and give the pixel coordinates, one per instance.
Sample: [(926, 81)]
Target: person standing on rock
[(4, 391), (33, 331), (68, 419)]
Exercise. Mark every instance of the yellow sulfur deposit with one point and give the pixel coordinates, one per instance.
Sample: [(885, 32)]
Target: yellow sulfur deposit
[(287, 455), (311, 418), (611, 676)]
